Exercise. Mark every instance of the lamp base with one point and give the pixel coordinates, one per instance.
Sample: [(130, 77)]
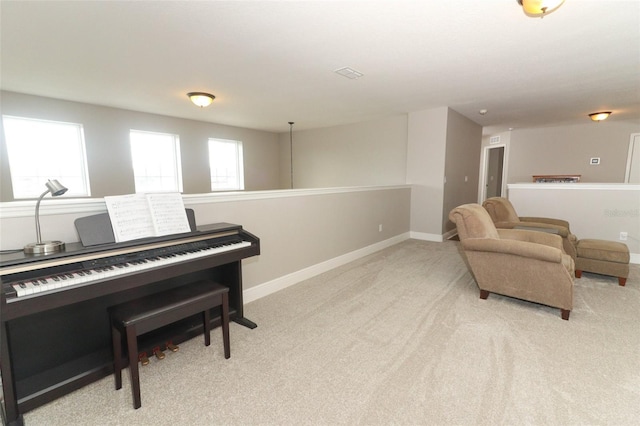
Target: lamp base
[(45, 247)]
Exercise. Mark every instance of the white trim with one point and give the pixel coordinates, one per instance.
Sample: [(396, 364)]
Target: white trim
[(484, 163), (62, 205), (449, 234), (634, 258), (280, 283), (437, 238), (632, 145), (577, 186)]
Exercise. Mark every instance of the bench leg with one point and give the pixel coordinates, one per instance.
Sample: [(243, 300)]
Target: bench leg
[(117, 356), (225, 325), (578, 273), (132, 347), (564, 313), (206, 323), (622, 281)]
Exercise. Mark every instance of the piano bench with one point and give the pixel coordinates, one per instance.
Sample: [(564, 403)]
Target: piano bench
[(148, 313)]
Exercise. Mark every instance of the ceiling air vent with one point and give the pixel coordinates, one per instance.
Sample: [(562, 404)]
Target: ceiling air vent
[(349, 73), (494, 140)]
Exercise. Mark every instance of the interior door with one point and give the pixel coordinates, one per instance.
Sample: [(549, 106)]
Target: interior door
[(494, 172)]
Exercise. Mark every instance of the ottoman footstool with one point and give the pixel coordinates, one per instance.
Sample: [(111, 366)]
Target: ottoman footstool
[(603, 257)]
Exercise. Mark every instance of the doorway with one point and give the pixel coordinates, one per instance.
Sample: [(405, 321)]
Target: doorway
[(494, 172)]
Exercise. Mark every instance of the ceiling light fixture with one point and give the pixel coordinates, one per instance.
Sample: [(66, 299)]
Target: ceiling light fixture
[(539, 8), (600, 116), (201, 99)]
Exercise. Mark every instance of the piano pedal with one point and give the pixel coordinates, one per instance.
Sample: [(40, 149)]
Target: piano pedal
[(172, 347), (158, 353), (142, 357)]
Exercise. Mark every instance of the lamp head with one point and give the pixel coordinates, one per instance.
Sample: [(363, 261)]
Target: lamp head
[(55, 188)]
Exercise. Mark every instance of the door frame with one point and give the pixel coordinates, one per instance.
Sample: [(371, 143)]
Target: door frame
[(484, 166), (634, 144)]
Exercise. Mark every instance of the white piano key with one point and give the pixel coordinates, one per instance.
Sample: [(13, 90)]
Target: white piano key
[(27, 289)]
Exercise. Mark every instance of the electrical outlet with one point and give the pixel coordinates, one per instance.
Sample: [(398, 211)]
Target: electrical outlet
[(623, 236), (380, 228)]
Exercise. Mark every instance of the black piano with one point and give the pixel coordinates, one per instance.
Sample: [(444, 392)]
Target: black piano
[(55, 327)]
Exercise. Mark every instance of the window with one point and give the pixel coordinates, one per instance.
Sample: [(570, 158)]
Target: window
[(225, 161), (156, 161), (40, 150)]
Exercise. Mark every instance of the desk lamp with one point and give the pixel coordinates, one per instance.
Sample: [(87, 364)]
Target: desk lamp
[(46, 247)]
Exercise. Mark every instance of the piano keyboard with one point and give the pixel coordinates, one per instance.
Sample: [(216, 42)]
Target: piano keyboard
[(36, 286)]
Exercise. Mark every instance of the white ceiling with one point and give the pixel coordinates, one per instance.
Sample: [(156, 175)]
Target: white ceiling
[(271, 62)]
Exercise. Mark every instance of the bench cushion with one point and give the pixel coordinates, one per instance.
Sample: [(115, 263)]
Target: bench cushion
[(608, 251), (193, 297)]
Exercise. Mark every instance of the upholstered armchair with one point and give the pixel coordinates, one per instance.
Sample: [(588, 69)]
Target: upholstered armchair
[(504, 216), (527, 265)]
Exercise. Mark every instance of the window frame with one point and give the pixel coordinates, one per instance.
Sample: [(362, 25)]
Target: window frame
[(23, 191), (239, 166), (176, 160)]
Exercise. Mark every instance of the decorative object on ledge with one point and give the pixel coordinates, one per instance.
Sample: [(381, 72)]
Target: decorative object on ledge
[(201, 99), (539, 8), (556, 178), (600, 116), (46, 247)]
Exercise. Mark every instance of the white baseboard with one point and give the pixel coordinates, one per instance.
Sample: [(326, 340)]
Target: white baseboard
[(634, 258), (437, 238), (265, 289)]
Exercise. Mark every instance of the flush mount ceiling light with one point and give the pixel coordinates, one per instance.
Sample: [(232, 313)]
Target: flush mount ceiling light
[(539, 8), (201, 99), (599, 116)]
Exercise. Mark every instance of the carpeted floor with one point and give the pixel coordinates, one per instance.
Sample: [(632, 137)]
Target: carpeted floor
[(398, 337)]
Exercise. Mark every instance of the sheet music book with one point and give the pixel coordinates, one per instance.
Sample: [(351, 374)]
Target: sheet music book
[(136, 216)]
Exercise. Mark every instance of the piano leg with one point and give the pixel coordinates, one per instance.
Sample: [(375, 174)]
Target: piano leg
[(9, 412), (245, 322)]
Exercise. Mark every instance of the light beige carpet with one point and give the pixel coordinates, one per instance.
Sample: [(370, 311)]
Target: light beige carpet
[(398, 337)]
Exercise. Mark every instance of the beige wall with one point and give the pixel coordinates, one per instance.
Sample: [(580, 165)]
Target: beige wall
[(297, 229), (568, 149), (106, 132), (425, 170), (462, 162), (368, 153), (443, 149)]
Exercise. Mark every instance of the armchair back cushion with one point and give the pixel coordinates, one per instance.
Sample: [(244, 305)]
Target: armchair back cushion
[(474, 222), (501, 210)]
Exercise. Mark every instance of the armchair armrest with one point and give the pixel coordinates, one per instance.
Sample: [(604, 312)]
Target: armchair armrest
[(514, 247), (558, 229), (551, 240), (546, 220)]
